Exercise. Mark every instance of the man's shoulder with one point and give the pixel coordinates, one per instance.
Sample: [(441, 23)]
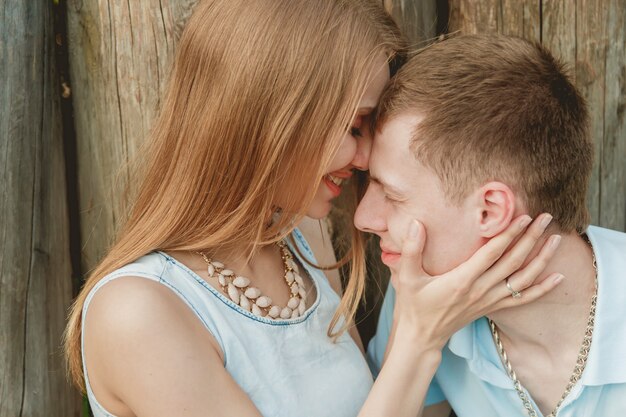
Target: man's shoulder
[(609, 246), (605, 364), (614, 236)]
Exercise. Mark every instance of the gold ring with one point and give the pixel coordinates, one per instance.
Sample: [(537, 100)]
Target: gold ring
[(514, 294)]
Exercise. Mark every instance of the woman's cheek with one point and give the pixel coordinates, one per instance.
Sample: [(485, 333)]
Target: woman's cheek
[(345, 154)]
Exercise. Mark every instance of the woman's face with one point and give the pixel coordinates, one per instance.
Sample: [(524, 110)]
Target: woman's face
[(354, 150)]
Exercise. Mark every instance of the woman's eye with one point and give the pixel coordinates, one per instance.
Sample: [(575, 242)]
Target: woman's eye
[(356, 132)]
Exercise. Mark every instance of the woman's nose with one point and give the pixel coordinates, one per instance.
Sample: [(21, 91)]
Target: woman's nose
[(363, 148)]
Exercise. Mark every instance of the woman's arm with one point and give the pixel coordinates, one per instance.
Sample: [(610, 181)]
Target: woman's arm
[(429, 310)]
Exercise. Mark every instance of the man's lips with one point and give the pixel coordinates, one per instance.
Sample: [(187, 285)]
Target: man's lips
[(388, 256)]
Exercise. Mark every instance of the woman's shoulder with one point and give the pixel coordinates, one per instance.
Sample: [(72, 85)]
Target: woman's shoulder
[(132, 304), (133, 326), (130, 301), (151, 265), (124, 281)]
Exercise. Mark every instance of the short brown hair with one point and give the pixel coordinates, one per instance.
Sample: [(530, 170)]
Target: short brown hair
[(498, 108)]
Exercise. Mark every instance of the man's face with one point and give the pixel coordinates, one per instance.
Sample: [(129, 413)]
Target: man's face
[(402, 189)]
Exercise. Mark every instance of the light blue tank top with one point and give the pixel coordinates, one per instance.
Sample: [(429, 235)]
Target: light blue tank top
[(287, 367)]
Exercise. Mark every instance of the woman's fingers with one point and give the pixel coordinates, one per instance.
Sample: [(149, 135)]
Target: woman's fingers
[(525, 277), (412, 248), (490, 252), (531, 293), (516, 256)]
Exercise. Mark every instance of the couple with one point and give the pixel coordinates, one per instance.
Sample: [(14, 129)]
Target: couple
[(211, 301)]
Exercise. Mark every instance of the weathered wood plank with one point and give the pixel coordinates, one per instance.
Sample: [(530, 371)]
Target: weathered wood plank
[(590, 69), (35, 271), (613, 162), (417, 19), (558, 31), (598, 62), (509, 17), (120, 53)]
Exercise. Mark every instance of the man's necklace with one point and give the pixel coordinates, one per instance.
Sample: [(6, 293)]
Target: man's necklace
[(581, 361)]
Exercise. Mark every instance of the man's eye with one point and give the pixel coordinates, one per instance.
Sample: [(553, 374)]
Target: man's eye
[(356, 132), (391, 199)]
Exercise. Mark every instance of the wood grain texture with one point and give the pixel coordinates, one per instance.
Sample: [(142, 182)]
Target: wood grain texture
[(510, 17), (589, 70), (613, 161), (588, 35), (417, 19), (120, 52), (35, 271)]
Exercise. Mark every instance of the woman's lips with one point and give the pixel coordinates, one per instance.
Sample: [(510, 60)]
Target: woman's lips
[(334, 188), (335, 179), (341, 174)]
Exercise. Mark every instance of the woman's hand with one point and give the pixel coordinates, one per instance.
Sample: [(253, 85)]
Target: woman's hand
[(429, 309)]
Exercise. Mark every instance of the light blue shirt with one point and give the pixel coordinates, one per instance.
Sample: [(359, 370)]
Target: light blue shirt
[(287, 367), (471, 376)]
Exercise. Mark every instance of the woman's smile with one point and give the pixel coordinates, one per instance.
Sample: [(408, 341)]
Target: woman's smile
[(335, 179)]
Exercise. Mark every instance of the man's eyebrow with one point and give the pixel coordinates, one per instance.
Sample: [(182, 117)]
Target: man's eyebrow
[(386, 186)]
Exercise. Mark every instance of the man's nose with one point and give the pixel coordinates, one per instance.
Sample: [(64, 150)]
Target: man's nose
[(369, 216)]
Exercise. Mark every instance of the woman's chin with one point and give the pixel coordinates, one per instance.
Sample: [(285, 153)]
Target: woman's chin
[(319, 209)]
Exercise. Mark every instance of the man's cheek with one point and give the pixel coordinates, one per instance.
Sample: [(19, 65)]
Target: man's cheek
[(401, 227)]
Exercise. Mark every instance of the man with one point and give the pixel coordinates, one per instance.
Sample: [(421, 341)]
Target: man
[(473, 132)]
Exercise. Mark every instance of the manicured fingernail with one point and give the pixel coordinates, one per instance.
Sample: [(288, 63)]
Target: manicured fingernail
[(545, 221), (525, 222), (554, 241), (559, 278), (413, 229)]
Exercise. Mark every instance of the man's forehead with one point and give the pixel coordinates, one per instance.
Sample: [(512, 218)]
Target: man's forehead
[(391, 161), (392, 141)]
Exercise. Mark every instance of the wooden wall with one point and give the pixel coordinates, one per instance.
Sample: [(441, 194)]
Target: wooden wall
[(119, 59), (35, 271)]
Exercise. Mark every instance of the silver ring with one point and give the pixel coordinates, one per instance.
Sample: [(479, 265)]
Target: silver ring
[(514, 294)]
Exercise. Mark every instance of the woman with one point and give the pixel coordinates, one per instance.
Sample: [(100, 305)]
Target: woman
[(207, 304)]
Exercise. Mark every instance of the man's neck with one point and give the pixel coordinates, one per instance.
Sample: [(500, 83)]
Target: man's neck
[(557, 320)]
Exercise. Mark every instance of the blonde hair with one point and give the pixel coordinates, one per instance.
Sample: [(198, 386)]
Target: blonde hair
[(260, 95)]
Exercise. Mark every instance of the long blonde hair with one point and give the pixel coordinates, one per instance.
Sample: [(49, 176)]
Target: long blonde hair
[(259, 97)]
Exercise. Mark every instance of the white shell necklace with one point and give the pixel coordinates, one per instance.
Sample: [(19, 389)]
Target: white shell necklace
[(250, 298)]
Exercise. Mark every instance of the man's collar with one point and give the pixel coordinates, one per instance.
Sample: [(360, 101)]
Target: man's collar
[(606, 363), (474, 343)]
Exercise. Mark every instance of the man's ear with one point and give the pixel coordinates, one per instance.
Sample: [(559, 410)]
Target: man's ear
[(496, 203)]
